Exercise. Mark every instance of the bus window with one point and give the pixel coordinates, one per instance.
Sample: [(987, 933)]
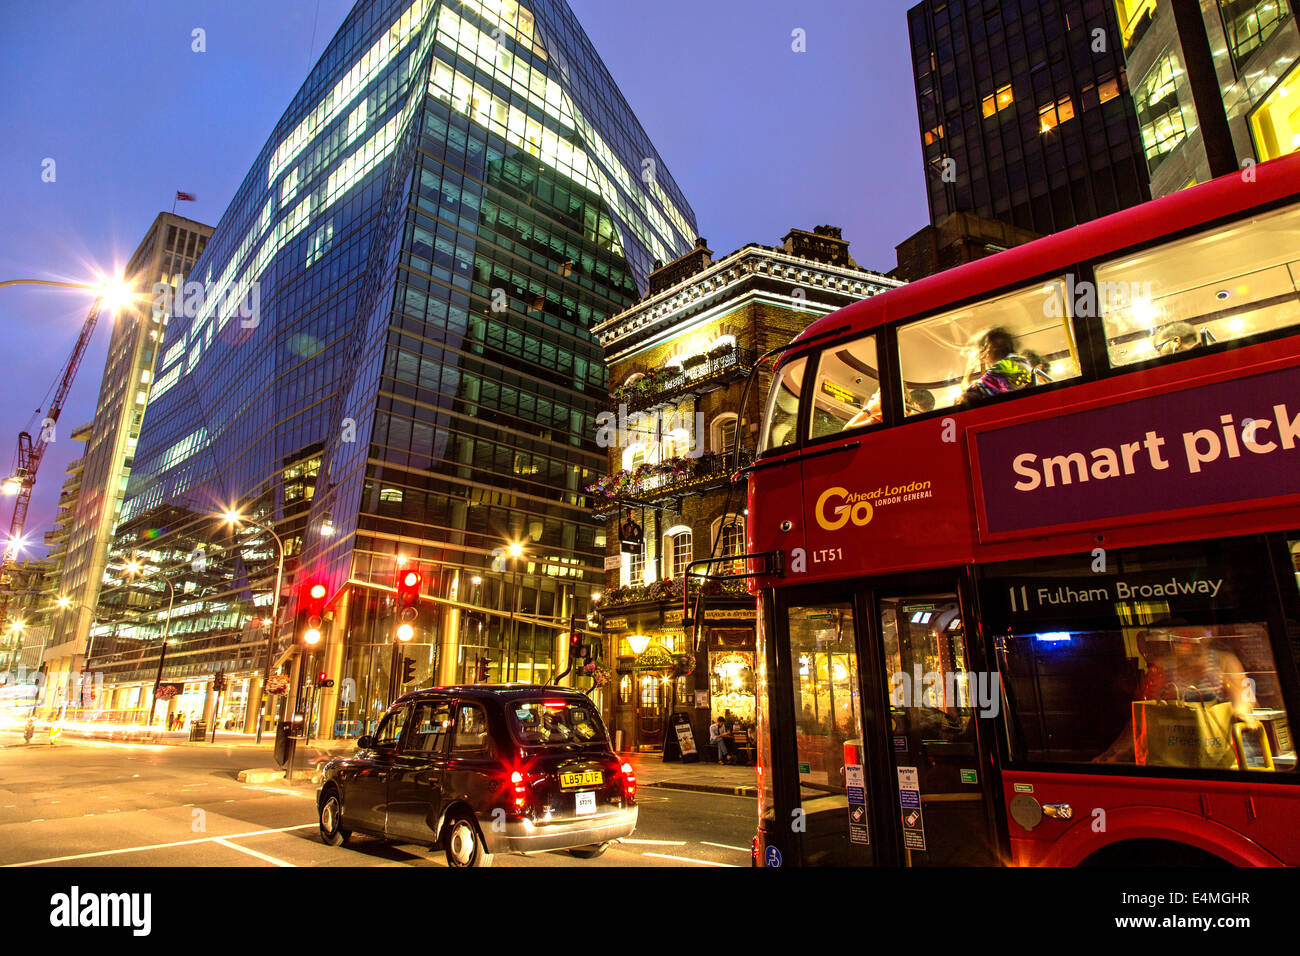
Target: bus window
[(782, 415), (969, 355), (847, 391), (1225, 284), (1168, 694)]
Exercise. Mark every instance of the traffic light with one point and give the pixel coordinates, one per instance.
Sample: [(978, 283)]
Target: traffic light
[(578, 648), (311, 611), (408, 670), (408, 602), (481, 670), (218, 682), (323, 680)]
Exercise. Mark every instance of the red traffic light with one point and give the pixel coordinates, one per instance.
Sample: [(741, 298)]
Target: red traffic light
[(316, 592), (409, 579), (311, 611)]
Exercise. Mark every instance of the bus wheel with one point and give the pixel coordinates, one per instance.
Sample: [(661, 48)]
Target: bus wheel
[(1152, 853)]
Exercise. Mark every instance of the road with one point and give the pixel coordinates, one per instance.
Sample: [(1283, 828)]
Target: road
[(85, 803)]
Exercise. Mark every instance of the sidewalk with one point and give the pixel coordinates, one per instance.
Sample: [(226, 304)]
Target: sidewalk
[(651, 771)]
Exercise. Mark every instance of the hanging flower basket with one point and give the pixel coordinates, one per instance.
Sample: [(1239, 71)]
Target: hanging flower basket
[(277, 684), (683, 665), (165, 692), (599, 675)]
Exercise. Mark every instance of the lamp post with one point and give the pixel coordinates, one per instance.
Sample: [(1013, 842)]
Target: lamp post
[(134, 568), (516, 551), (234, 518)]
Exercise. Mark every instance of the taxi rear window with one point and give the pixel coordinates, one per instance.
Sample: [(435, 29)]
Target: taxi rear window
[(554, 722)]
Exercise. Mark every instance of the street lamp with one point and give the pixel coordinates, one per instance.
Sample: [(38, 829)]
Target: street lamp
[(234, 518), (516, 551), (133, 568), (113, 292)]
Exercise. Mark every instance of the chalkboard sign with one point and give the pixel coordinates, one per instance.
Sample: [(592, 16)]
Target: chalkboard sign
[(679, 742), (198, 729)]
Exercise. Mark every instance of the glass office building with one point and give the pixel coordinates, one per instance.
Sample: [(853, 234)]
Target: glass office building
[(1026, 115), (386, 357)]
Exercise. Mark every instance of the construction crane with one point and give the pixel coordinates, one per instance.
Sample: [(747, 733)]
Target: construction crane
[(31, 451)]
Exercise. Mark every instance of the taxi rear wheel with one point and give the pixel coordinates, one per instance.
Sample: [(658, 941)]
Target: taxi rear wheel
[(589, 852), (331, 821), (464, 844)]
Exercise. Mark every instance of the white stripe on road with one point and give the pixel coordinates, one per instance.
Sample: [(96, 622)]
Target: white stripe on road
[(727, 846), (261, 856), (657, 842), (158, 846), (687, 859)]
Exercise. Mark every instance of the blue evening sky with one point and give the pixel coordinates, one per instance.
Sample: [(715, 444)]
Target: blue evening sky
[(760, 139)]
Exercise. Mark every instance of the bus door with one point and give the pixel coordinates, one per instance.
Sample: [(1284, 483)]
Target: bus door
[(943, 784), (823, 814)]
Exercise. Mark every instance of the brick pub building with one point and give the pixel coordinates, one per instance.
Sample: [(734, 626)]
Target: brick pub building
[(678, 361)]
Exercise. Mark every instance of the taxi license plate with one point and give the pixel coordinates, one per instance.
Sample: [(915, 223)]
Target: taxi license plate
[(578, 780), (586, 801)]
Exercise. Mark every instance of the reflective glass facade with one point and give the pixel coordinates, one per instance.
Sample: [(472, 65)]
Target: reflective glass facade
[(1025, 111), (391, 356)]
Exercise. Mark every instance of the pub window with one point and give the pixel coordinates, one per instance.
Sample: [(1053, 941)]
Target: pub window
[(967, 356), (724, 434), (678, 551), (732, 531), (847, 391), (1224, 284), (782, 413)]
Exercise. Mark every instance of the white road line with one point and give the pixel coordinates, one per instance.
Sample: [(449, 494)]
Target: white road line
[(261, 856), (658, 842), (687, 859), (727, 846), (158, 846)]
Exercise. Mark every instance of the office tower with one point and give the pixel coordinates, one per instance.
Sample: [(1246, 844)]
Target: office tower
[(83, 534), (1025, 113), (392, 365), (1216, 83)]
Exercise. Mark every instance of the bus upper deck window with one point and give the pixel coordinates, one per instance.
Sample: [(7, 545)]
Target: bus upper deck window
[(782, 413), (1223, 284), (847, 391), (969, 355)]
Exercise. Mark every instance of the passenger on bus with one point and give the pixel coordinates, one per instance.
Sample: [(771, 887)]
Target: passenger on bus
[(918, 401), (1175, 337), (869, 414), (1000, 370), (1038, 365)]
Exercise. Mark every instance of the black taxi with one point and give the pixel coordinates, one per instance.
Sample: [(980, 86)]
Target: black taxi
[(483, 769)]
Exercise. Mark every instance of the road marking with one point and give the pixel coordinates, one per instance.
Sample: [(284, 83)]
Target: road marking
[(658, 842), (159, 846), (243, 849), (687, 859), (727, 846)]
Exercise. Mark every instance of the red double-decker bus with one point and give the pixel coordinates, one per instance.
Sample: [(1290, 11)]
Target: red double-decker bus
[(1025, 537)]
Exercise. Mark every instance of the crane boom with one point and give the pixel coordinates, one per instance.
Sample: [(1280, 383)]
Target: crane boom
[(30, 452)]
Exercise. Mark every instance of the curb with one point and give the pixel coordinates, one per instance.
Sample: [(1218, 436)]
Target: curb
[(705, 788), (277, 776)]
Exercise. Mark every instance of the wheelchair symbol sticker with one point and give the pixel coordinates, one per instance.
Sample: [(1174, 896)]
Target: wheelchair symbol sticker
[(773, 856)]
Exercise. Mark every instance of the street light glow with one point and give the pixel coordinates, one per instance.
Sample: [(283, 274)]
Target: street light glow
[(64, 602), (132, 567), (115, 293), (11, 485), (516, 549), (231, 516)]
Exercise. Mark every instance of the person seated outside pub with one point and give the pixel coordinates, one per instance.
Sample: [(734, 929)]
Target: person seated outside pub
[(720, 736), (1000, 370)]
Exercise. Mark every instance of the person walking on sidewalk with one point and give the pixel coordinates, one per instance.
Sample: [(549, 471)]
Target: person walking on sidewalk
[(720, 736)]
